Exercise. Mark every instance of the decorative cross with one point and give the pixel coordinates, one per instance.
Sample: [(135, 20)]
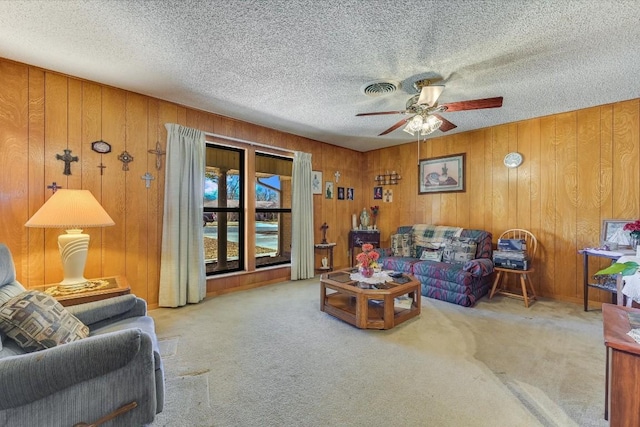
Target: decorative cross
[(159, 153), (125, 158), (67, 158), (147, 177), (53, 187), (337, 175), (388, 195), (101, 166), (324, 232)]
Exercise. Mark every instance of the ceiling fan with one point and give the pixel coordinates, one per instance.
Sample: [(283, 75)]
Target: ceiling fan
[(426, 111)]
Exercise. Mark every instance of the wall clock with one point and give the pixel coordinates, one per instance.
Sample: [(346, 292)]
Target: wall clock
[(513, 160), (101, 147)]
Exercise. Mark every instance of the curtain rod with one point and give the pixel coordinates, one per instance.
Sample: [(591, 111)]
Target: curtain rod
[(255, 144)]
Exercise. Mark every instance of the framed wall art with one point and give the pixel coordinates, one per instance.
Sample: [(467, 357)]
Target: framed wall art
[(442, 174), (328, 190), (377, 193), (340, 193), (613, 231), (316, 182)]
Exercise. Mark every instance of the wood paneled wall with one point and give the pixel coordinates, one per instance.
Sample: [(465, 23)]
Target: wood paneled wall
[(579, 168), (42, 113)]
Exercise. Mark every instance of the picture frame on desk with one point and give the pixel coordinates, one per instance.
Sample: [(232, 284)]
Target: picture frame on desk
[(613, 231)]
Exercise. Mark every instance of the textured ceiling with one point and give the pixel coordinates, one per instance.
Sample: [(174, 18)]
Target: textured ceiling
[(299, 65)]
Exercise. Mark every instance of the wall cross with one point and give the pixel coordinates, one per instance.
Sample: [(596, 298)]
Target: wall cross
[(67, 158), (337, 175), (53, 187), (159, 153), (125, 158), (147, 177)]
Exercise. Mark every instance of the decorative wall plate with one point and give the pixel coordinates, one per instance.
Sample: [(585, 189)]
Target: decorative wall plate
[(101, 147), (513, 160)]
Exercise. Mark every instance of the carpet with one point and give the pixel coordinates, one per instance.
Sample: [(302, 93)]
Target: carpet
[(269, 357)]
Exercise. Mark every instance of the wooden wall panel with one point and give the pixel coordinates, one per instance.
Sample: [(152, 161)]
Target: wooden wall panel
[(579, 168)]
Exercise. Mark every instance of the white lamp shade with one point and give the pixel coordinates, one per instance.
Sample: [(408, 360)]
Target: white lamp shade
[(70, 209)]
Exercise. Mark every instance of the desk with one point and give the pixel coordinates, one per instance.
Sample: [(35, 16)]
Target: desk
[(622, 388), (613, 256), (328, 247), (359, 237)]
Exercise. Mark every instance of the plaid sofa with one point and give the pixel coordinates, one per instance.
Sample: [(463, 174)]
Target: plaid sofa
[(458, 283)]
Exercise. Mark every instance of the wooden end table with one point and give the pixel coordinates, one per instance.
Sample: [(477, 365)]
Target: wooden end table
[(367, 307), (116, 286)]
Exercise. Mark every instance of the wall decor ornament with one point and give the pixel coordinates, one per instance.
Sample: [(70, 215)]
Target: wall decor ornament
[(67, 158), (125, 158), (159, 153), (102, 147), (328, 190), (148, 178), (316, 182), (444, 174)]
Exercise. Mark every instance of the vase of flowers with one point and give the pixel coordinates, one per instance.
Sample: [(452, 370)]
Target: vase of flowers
[(367, 260), (374, 215), (634, 236)]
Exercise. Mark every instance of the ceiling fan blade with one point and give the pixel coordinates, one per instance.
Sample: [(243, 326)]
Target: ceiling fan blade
[(446, 124), (394, 127), (476, 104), (429, 95), (379, 113)]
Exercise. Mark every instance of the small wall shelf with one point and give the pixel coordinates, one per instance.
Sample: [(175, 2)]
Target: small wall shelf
[(388, 178)]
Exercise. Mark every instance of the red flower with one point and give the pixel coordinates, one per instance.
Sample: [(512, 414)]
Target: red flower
[(634, 227), (368, 257)]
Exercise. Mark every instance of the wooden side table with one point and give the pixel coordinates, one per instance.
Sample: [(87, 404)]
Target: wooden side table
[(115, 286), (328, 247)]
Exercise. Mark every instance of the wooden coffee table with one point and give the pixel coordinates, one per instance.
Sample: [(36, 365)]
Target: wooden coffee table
[(365, 306)]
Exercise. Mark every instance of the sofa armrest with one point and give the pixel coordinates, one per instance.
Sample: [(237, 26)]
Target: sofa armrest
[(479, 267), (112, 309), (32, 376)]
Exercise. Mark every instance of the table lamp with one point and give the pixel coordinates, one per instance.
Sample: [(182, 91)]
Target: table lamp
[(72, 210)]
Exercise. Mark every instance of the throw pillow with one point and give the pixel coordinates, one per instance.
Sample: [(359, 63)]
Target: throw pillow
[(428, 255), (459, 250), (400, 244), (37, 321)]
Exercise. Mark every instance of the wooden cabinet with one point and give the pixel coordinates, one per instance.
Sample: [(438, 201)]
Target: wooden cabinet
[(359, 237), (622, 389)]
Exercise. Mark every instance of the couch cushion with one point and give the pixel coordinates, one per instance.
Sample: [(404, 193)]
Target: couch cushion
[(428, 255), (459, 250), (37, 321)]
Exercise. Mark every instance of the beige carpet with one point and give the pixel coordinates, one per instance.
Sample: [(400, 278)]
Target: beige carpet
[(269, 357)]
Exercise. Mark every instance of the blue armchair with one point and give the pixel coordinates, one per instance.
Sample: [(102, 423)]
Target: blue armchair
[(118, 366)]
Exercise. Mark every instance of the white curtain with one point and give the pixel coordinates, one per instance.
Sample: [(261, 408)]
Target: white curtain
[(302, 213), (182, 271)]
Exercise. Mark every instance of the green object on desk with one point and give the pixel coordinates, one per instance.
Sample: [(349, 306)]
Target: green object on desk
[(625, 268)]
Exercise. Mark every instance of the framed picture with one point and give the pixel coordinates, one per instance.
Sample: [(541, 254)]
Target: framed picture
[(328, 190), (377, 193), (349, 193), (612, 231), (442, 174), (316, 182), (388, 195), (340, 193)]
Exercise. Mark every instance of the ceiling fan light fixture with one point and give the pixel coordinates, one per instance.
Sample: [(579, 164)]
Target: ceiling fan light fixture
[(430, 125), (429, 95)]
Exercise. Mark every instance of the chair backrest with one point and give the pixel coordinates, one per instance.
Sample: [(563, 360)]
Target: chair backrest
[(529, 238), (9, 286)]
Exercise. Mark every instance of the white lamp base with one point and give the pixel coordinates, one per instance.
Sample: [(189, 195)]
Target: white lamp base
[(73, 250)]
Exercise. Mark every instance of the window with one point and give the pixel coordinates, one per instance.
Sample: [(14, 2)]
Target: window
[(223, 214), (226, 217), (273, 210)]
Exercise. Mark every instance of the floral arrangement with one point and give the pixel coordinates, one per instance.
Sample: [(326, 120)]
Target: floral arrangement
[(374, 211), (367, 259), (633, 227)]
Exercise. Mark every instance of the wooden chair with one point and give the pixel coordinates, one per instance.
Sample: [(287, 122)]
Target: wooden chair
[(528, 293)]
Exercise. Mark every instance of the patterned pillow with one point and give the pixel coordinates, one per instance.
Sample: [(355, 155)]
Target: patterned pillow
[(459, 250), (37, 321), (401, 244), (428, 255)]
